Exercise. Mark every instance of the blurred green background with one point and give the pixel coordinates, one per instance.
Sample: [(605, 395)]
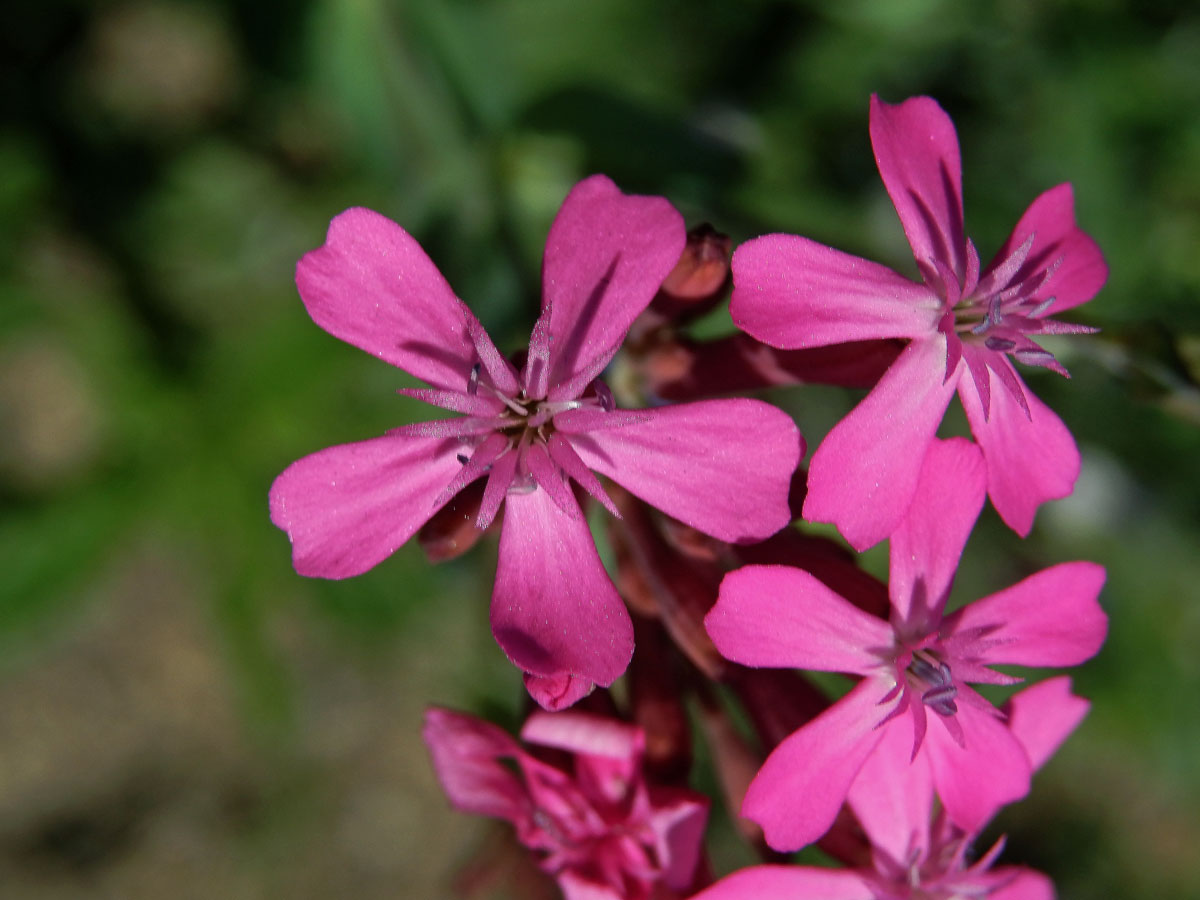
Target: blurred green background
[(180, 714)]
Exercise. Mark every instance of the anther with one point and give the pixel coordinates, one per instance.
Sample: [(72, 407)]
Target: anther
[(604, 395)]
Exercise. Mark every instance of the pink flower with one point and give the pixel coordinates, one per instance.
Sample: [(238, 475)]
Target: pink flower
[(597, 827), (914, 667), (915, 853), (722, 466), (962, 325)]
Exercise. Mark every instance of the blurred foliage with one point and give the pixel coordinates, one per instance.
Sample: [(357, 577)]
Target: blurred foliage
[(163, 165)]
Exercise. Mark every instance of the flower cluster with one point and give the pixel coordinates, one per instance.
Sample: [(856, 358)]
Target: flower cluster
[(714, 581)]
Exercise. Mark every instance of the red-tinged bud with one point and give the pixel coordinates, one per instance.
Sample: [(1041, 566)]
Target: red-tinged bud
[(696, 284), (682, 589), (451, 531), (683, 370), (631, 582), (703, 268), (656, 704), (694, 544)]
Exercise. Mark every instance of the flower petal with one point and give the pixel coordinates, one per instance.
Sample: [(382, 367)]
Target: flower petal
[(465, 753), (925, 549), (892, 797), (372, 285), (347, 508), (916, 149), (1050, 618), (863, 476), (722, 466), (791, 292), (1030, 459), (606, 255), (1050, 221), (554, 609), (677, 822), (783, 617), (788, 883), (585, 735), (1044, 715), (558, 691), (988, 771), (797, 793)]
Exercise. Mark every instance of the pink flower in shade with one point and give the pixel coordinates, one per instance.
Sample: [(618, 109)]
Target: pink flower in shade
[(913, 668), (963, 325), (722, 466), (917, 853), (597, 826)]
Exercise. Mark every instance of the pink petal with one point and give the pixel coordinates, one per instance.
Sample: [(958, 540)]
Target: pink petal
[(554, 609), (863, 476), (791, 292), (606, 255), (916, 149), (607, 752), (465, 753), (372, 285), (559, 691), (797, 793), (584, 734), (1020, 884), (549, 478), (892, 797), (1050, 219), (722, 466), (788, 883), (783, 617), (1043, 716), (1030, 459), (925, 549), (1049, 619), (678, 823), (975, 780), (347, 508)]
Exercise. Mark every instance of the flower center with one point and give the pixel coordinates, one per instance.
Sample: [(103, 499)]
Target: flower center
[(932, 676)]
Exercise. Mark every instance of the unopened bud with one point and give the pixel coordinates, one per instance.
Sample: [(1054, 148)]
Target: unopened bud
[(703, 267), (451, 531)]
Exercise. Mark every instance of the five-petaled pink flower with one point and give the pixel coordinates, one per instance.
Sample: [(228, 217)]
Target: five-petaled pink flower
[(597, 827), (914, 667), (915, 853), (963, 325), (722, 466)]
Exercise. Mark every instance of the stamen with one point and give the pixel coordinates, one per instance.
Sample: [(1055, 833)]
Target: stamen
[(999, 343), (1040, 309), (513, 404), (991, 319), (936, 674), (604, 394)]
